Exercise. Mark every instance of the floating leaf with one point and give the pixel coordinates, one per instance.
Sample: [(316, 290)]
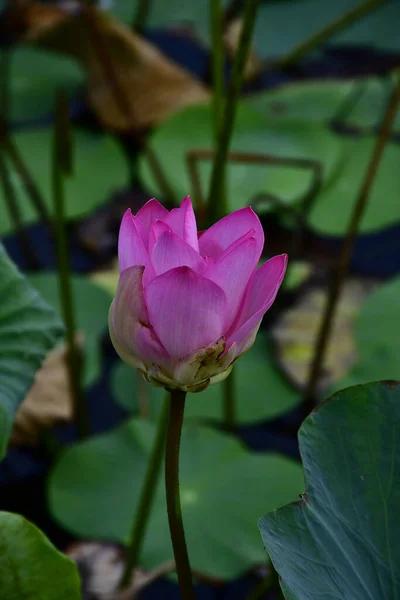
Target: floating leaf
[(29, 329), (261, 391), (91, 305), (316, 101), (99, 169), (369, 109), (302, 19), (95, 486), (191, 129), (375, 326), (35, 76), (30, 566), (333, 208), (341, 540)]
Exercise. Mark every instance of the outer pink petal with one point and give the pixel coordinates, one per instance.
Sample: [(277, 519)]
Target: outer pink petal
[(261, 293), (215, 240), (130, 329), (171, 251), (131, 248), (183, 222), (186, 310), (265, 284), (150, 212), (232, 272)]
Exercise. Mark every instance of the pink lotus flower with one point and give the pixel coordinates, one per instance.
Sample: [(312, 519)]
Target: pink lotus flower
[(188, 304)]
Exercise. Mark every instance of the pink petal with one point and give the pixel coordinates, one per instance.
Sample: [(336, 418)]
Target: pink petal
[(171, 251), (261, 293), (220, 236), (265, 284), (156, 230), (183, 222), (186, 310), (232, 272), (131, 248), (150, 212), (130, 329)]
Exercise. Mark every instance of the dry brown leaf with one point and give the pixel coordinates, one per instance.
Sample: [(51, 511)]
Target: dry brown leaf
[(295, 333), (47, 402), (102, 566), (231, 38), (153, 85)]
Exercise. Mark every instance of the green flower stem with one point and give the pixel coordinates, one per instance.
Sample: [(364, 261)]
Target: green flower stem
[(141, 15), (217, 206), (61, 164), (143, 511), (177, 407), (217, 56)]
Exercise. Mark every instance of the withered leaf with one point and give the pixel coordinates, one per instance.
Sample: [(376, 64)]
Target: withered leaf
[(48, 401), (150, 85)]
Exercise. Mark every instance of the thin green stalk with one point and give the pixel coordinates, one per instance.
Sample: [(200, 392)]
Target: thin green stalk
[(32, 191), (61, 163), (177, 408), (348, 18), (228, 390), (310, 395), (217, 200), (217, 58), (141, 15), (149, 487)]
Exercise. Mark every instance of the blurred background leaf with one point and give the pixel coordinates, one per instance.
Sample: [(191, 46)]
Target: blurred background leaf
[(94, 487), (100, 168)]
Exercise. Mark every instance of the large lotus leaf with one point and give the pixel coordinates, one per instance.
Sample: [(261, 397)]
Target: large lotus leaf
[(333, 208), (253, 133), (30, 566), (359, 103), (29, 329), (94, 488), (160, 14), (342, 539), (35, 76), (261, 393), (99, 169), (91, 305), (300, 20)]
